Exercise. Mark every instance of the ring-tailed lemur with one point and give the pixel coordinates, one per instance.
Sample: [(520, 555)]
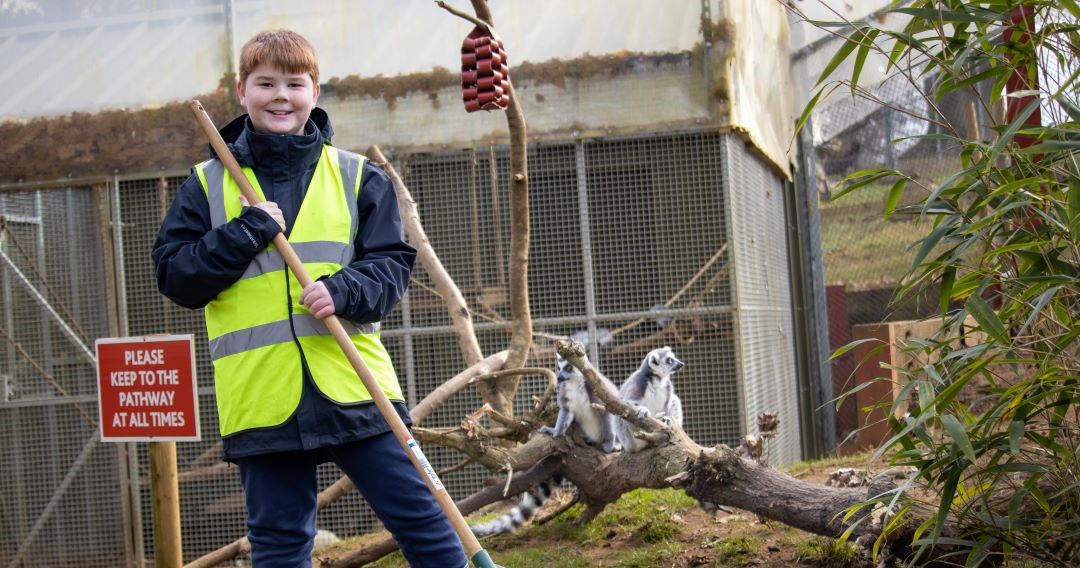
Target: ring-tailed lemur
[(575, 398), (530, 503), (650, 391)]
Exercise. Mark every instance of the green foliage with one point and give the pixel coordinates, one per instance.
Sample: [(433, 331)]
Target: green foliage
[(395, 558), (738, 550), (822, 551), (643, 516), (542, 556), (645, 513), (649, 557), (1003, 247)]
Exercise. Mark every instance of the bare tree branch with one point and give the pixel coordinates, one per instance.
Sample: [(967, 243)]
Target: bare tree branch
[(482, 11), (493, 456), (521, 338), (444, 284), (473, 19), (526, 423), (223, 554), (445, 391)]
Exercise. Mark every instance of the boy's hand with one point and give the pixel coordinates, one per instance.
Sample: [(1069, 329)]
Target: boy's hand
[(270, 208), (317, 299)]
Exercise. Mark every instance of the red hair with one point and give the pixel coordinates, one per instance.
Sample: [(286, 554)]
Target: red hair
[(281, 48)]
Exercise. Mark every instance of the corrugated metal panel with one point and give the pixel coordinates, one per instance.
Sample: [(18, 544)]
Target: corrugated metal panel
[(109, 55), (752, 78), (65, 56)]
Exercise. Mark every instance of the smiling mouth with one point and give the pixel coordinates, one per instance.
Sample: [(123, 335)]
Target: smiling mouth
[(280, 112)]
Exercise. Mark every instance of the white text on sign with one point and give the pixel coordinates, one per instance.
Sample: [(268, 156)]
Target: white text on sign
[(173, 419), (144, 357), (160, 377)]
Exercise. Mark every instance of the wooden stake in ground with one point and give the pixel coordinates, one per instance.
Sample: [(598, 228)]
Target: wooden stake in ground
[(165, 488)]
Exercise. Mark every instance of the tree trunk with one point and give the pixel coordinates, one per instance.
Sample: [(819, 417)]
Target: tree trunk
[(712, 475), (521, 329)]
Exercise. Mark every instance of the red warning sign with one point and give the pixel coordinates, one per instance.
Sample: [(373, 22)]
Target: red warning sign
[(146, 389)]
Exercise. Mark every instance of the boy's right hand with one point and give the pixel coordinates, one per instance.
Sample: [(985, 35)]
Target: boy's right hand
[(268, 207)]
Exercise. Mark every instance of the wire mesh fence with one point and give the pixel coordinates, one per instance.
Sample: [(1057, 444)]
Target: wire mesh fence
[(765, 324), (865, 254), (619, 228), (60, 486), (673, 238)]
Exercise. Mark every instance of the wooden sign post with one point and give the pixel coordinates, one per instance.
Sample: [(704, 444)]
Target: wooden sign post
[(147, 393)]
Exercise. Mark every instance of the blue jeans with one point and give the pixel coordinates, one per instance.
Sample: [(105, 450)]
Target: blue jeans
[(281, 490)]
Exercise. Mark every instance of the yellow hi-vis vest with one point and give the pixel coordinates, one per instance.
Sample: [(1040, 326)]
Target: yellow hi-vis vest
[(259, 331)]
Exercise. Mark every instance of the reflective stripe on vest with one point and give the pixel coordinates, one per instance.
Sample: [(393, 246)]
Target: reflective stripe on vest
[(303, 325), (256, 340)]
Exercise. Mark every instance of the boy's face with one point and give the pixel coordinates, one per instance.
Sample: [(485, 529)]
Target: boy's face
[(278, 102)]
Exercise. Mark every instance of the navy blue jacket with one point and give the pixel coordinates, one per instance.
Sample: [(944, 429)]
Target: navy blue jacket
[(195, 262)]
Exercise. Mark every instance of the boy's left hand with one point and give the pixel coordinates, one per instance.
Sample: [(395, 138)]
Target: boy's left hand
[(317, 299)]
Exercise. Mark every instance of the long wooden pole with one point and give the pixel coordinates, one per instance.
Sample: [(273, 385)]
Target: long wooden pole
[(472, 546)]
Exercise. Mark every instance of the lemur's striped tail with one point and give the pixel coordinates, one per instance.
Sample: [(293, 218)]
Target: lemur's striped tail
[(530, 503)]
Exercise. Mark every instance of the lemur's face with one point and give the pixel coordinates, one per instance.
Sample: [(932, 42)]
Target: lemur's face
[(565, 369), (663, 362)]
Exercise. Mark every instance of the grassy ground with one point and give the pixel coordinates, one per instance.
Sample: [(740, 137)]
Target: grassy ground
[(665, 529), (860, 245)]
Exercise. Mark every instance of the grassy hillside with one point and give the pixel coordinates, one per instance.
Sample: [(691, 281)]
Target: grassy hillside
[(860, 246)]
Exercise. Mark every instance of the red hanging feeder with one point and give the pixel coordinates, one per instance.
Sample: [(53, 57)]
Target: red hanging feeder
[(485, 78)]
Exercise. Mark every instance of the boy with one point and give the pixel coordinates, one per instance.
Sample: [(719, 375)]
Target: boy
[(287, 397)]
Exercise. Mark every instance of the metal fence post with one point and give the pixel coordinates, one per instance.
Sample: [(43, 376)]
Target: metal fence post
[(586, 249), (102, 198), (811, 301), (132, 496)]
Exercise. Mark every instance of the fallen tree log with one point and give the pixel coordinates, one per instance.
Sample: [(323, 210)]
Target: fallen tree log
[(715, 475)]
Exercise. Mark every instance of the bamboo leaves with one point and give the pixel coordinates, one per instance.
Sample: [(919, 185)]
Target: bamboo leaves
[(1004, 255)]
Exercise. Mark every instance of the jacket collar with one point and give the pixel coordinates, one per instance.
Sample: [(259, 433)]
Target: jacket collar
[(277, 154)]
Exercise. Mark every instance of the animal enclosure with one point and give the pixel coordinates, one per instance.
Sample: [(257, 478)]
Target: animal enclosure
[(668, 238)]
